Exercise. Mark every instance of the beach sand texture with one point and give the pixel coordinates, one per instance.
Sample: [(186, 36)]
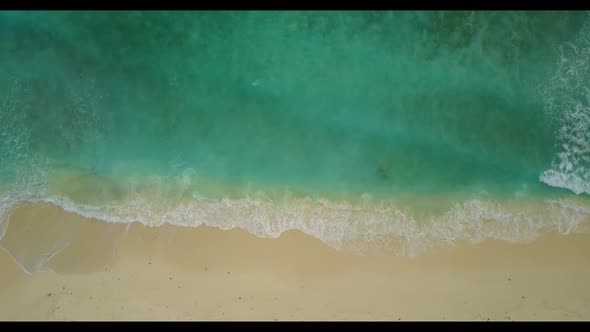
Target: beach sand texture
[(115, 272)]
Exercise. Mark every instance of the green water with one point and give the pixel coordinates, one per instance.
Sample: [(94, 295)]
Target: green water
[(318, 104)]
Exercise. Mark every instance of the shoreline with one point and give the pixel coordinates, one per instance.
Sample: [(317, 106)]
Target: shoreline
[(365, 228), (174, 273)]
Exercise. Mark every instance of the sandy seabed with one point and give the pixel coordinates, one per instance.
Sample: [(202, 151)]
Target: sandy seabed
[(133, 272)]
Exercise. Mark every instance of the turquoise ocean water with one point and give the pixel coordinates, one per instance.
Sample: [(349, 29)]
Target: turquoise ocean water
[(353, 127)]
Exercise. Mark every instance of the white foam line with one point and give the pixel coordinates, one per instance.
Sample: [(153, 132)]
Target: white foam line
[(335, 224)]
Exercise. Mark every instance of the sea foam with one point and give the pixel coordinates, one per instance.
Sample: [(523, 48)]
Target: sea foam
[(348, 226), (567, 102)]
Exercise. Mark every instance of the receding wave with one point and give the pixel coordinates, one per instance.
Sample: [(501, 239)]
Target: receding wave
[(341, 225)]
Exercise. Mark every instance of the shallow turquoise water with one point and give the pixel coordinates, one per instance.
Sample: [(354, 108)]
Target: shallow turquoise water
[(319, 104)]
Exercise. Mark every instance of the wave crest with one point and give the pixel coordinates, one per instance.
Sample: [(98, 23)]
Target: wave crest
[(567, 101)]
